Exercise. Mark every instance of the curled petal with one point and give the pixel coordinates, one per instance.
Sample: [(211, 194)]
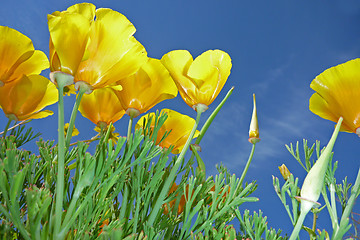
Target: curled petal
[(69, 35), (113, 53), (18, 56), (102, 105), (338, 95), (199, 80), (150, 85), (26, 97)]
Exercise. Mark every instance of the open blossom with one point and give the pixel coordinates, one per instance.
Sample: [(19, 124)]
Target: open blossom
[(94, 46), (102, 106), (338, 95), (26, 97), (199, 81), (180, 126), (150, 85), (18, 56)]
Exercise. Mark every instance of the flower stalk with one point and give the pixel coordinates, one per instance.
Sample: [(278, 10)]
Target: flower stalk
[(62, 80)]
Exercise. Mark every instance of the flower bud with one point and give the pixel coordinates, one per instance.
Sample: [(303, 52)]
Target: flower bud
[(254, 126), (314, 180), (284, 172)]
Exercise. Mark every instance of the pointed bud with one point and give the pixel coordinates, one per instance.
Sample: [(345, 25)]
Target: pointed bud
[(314, 180), (254, 126), (284, 172)]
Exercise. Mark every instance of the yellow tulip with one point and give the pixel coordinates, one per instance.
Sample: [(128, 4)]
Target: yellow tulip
[(338, 95), (25, 98), (199, 81), (179, 124), (98, 52), (150, 85), (18, 56), (102, 106)]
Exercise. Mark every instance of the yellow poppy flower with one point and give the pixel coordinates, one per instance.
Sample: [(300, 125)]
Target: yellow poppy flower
[(25, 98), (69, 35), (199, 81), (150, 85), (101, 106), (18, 56), (338, 95), (75, 131), (179, 124), (114, 136), (98, 52)]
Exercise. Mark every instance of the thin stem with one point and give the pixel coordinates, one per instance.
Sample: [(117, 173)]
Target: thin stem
[(209, 121), (314, 222), (299, 223), (172, 174), (18, 124), (73, 116), (334, 221), (129, 128), (7, 127), (61, 158), (247, 164), (333, 202), (348, 208)]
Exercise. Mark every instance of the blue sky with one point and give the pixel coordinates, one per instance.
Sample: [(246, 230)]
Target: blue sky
[(277, 49)]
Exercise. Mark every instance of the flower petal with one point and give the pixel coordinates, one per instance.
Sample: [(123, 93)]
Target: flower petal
[(150, 85), (18, 56), (102, 105), (69, 32), (28, 96), (177, 63), (338, 94), (113, 51)]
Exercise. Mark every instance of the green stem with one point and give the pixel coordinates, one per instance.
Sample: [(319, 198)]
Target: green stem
[(247, 164), (333, 202), (299, 223), (129, 128), (334, 221), (172, 174), (209, 121), (347, 211), (315, 216), (61, 157), (7, 127), (73, 116)]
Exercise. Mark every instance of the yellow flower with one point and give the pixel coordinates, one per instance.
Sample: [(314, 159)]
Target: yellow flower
[(69, 35), (25, 98), (338, 95), (75, 131), (98, 52), (254, 125), (150, 85), (114, 137), (102, 106), (201, 80), (18, 56), (180, 126)]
